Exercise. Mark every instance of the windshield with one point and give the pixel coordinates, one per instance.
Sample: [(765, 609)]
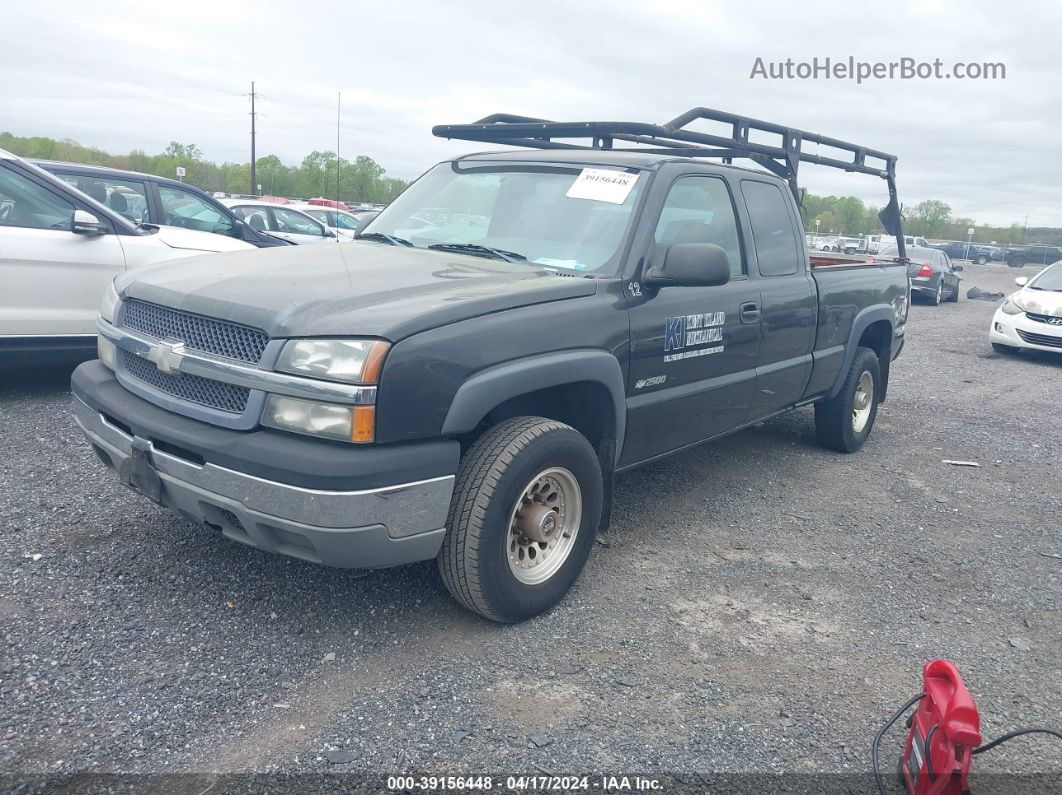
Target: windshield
[(526, 212), (1050, 279)]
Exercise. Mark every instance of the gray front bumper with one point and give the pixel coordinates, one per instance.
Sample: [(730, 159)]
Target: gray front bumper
[(368, 529)]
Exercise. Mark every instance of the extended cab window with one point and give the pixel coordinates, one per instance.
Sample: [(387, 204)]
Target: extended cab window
[(772, 229), (26, 204), (699, 210), (185, 209)]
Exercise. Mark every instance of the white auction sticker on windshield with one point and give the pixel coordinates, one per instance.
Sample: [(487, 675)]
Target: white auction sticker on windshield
[(602, 185)]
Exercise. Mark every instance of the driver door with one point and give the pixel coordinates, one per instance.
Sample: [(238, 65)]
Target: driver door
[(694, 349)]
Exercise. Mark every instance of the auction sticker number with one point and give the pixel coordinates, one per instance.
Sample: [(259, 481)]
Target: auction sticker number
[(602, 185), (439, 783)]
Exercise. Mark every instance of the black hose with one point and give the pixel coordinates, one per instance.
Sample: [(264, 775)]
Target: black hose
[(1017, 732), (876, 745)]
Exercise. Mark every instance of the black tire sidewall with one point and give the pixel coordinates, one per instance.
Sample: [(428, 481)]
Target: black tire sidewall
[(511, 599), (865, 361)]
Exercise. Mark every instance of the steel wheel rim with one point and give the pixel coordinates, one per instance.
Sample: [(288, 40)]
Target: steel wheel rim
[(543, 525), (862, 401)]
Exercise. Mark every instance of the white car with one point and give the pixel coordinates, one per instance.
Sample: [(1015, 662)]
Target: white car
[(60, 249), (343, 224), (281, 220), (1032, 316)]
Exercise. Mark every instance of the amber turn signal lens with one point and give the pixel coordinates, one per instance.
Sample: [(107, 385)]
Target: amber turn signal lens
[(364, 426), (374, 359)]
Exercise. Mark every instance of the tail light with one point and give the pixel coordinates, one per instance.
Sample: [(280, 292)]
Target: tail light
[(925, 270)]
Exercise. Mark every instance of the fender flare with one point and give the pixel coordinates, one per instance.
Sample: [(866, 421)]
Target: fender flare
[(871, 314), (493, 386)]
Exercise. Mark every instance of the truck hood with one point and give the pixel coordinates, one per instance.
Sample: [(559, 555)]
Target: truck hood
[(194, 240), (348, 289)]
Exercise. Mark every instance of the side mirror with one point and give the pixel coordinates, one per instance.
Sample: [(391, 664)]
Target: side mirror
[(1021, 281), (85, 223), (958, 267), (691, 265)]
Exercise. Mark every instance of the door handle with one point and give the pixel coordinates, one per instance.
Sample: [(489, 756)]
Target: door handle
[(750, 313)]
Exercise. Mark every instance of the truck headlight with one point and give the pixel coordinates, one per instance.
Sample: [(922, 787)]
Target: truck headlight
[(1012, 306), (109, 307), (333, 421), (351, 361)]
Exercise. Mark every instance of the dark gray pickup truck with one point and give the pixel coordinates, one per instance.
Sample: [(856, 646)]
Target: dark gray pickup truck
[(465, 380)]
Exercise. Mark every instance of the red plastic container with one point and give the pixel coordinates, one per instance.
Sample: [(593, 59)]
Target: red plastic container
[(944, 731)]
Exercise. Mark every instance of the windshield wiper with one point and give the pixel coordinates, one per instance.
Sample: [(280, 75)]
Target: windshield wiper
[(380, 236), (477, 250)]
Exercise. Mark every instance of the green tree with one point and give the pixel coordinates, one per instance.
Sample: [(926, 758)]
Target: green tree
[(931, 216)]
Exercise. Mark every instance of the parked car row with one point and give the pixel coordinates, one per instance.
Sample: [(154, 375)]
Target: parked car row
[(146, 198), (60, 248)]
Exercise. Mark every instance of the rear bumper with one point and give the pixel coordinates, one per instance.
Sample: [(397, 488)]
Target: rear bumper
[(363, 525)]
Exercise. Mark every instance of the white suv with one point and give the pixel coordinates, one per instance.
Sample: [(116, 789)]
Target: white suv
[(60, 249)]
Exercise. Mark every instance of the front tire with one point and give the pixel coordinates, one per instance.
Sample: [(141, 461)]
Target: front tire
[(982, 260), (844, 422), (1017, 262), (525, 510)]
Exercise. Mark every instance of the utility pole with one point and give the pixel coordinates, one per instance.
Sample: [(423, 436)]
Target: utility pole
[(339, 114), (254, 180)]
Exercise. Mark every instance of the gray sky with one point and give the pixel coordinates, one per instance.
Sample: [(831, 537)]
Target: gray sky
[(138, 75)]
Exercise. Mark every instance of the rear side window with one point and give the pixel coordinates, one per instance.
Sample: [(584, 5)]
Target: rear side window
[(125, 196), (772, 229)]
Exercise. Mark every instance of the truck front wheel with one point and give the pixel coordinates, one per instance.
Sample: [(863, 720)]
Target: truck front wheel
[(843, 423), (526, 506)]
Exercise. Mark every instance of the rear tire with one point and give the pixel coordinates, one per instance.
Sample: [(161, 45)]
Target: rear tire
[(844, 422), (982, 260), (488, 560), (934, 300)]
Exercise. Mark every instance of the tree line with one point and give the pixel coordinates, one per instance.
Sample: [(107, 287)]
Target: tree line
[(360, 180), (932, 218), (364, 180)]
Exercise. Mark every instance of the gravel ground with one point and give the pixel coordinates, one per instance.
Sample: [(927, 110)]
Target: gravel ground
[(758, 605)]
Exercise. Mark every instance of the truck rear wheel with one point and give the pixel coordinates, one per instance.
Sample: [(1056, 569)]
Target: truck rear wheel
[(526, 506), (843, 423)]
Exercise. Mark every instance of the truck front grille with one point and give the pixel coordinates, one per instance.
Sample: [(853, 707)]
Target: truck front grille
[(193, 388), (206, 334)]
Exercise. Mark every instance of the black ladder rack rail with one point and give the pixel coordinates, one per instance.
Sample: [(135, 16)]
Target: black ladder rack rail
[(675, 140)]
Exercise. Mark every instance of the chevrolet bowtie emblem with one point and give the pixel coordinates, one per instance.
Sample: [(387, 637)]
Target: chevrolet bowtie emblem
[(167, 356)]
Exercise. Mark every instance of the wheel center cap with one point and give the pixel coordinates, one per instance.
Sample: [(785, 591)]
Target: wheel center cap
[(537, 522)]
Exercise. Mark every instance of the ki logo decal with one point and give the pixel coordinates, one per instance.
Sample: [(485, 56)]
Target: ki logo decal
[(693, 335)]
